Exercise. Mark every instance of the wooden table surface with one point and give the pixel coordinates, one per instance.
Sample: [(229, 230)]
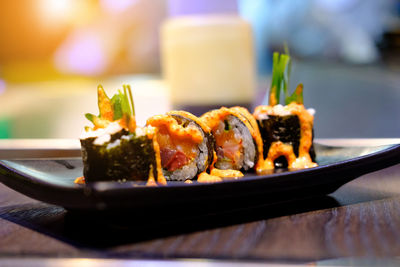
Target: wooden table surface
[(361, 219)]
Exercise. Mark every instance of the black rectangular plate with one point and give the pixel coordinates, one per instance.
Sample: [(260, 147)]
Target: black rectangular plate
[(52, 180)]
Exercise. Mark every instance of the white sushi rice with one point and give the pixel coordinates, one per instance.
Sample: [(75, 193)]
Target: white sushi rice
[(141, 131), (311, 111), (246, 161), (103, 135), (114, 144), (185, 173), (280, 110)]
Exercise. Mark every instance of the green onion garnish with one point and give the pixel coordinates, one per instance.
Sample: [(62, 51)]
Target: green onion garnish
[(119, 106), (281, 68)]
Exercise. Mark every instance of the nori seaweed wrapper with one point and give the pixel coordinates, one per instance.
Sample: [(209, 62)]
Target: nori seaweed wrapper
[(285, 129), (129, 160), (254, 141)]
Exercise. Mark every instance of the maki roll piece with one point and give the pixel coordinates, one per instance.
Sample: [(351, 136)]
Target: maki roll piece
[(115, 149), (186, 145), (287, 131), (238, 143)]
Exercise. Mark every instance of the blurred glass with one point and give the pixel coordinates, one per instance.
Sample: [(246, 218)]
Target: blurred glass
[(207, 56)]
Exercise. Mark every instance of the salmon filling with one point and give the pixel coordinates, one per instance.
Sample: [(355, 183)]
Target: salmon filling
[(174, 154), (229, 145)]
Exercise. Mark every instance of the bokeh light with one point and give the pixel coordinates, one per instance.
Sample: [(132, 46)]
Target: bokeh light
[(61, 13), (56, 11), (81, 53), (2, 86), (116, 6)]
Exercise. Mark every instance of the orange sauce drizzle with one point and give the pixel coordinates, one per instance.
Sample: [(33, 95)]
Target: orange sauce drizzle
[(176, 130), (226, 173), (276, 150), (151, 181), (213, 117), (80, 180), (208, 178), (192, 117), (160, 177), (214, 160), (272, 97)]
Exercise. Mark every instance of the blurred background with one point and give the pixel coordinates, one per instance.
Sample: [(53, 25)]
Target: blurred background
[(193, 54)]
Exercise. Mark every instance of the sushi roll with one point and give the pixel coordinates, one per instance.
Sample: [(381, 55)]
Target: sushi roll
[(115, 149), (287, 131), (238, 143), (186, 145)]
